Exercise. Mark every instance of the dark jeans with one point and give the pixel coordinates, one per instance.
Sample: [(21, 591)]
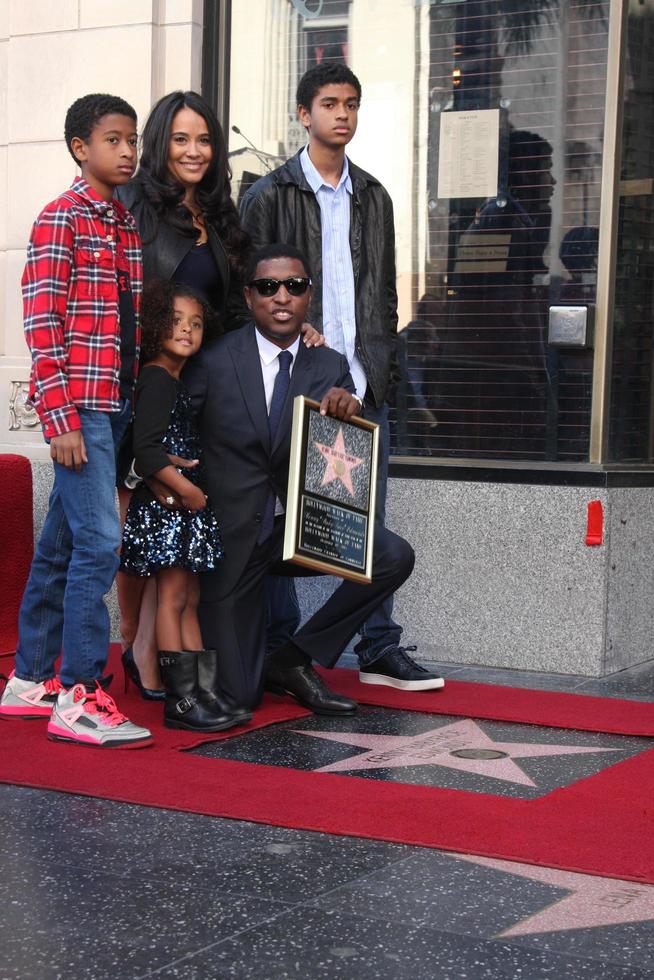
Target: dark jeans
[(282, 607)]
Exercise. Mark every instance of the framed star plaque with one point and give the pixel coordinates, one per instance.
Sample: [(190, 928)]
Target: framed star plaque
[(331, 493)]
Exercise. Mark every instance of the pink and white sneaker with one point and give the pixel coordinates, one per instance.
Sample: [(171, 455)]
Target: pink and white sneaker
[(92, 718), (29, 699)]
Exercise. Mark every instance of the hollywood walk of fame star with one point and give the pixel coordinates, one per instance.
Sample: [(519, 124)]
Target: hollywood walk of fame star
[(592, 901), (339, 462), (455, 746)]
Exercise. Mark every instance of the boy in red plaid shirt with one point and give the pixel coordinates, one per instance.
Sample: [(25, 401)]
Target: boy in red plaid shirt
[(81, 290)]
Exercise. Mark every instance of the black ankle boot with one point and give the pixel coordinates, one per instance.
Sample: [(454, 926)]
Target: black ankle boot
[(184, 706), (209, 686)]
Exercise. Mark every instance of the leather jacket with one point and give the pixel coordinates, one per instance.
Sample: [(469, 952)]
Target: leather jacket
[(281, 207), (163, 254)]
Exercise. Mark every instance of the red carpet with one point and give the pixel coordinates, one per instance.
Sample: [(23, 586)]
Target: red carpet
[(17, 542), (552, 709), (602, 825)]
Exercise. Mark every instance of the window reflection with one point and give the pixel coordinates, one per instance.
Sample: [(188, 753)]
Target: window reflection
[(631, 435), (476, 275), (492, 391)]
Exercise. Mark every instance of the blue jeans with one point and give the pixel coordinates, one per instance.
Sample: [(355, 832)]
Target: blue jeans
[(75, 561), (282, 608)]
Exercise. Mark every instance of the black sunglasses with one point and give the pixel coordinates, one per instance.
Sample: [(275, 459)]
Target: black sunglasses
[(295, 285)]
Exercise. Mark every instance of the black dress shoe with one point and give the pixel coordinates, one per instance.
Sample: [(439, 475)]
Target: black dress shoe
[(307, 687)]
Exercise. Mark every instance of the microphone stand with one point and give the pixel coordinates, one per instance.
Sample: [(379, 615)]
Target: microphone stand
[(261, 155)]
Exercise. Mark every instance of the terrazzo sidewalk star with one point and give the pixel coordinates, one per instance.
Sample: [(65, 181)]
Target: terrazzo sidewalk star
[(340, 463), (455, 746), (599, 824), (593, 901)]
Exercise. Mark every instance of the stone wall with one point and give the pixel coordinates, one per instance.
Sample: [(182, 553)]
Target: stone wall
[(503, 576), (50, 54)]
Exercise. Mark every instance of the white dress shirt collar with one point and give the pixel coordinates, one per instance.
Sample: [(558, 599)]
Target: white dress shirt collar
[(316, 181), (269, 351)]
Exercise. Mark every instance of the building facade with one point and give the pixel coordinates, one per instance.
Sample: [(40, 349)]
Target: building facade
[(515, 141)]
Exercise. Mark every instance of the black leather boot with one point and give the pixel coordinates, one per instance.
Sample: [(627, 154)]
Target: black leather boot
[(184, 707), (209, 685)]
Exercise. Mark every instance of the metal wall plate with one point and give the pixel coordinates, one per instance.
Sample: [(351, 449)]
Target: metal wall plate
[(570, 326)]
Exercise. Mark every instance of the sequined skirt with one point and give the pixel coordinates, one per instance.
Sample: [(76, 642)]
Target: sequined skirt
[(154, 538)]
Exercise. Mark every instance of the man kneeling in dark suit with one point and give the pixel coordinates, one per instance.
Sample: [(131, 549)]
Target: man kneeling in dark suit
[(243, 387)]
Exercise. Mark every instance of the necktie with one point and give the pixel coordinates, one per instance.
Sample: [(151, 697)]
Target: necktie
[(280, 391)]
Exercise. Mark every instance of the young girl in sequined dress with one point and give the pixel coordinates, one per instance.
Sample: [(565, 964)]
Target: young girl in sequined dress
[(172, 542)]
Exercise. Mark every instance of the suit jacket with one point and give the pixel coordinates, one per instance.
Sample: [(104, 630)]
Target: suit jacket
[(226, 385)]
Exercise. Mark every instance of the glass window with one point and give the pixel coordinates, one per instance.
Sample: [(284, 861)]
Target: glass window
[(631, 432), (484, 121)]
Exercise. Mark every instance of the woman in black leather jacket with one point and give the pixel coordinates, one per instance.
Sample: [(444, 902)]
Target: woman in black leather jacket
[(181, 200), (190, 232)]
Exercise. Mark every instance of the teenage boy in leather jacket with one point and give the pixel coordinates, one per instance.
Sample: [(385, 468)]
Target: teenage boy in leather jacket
[(342, 218)]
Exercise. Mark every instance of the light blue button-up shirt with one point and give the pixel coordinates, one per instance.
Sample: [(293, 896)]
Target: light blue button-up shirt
[(338, 310)]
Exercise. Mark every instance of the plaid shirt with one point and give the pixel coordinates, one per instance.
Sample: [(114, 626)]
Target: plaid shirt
[(70, 304)]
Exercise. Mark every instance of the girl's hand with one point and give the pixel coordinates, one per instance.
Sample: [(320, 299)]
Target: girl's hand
[(312, 337), (193, 499)]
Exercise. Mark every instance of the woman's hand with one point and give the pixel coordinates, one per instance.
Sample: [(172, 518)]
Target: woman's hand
[(194, 498), (163, 494), (174, 490), (183, 464), (312, 337)]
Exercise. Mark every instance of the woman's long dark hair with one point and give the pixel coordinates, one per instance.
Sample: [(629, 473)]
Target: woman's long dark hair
[(164, 194)]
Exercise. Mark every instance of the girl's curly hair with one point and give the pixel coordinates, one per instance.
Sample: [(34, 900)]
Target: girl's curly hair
[(157, 313)]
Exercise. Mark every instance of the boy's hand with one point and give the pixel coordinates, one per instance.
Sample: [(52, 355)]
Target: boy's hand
[(194, 499), (312, 337), (69, 450), (340, 404)]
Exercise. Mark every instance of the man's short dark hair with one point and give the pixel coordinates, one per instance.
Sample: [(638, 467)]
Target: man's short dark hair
[(331, 73), (276, 251), (85, 113)]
